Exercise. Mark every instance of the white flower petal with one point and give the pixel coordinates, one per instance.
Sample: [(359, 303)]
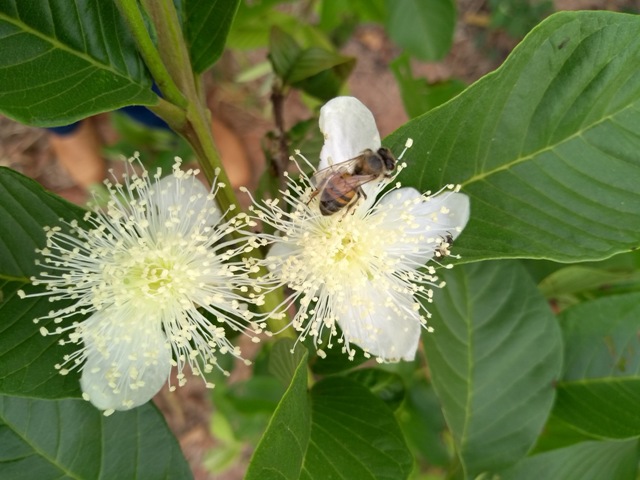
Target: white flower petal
[(186, 197), (384, 329), (348, 128), (454, 212), (424, 220), (125, 365), (282, 249)]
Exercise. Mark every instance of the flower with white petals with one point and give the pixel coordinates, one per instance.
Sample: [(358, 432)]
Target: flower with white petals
[(138, 276), (363, 268)]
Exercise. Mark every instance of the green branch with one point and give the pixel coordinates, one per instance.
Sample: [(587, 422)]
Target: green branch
[(150, 54)]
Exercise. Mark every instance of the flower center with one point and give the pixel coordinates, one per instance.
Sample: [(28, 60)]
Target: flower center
[(346, 249), (155, 272), (341, 251), (147, 277)]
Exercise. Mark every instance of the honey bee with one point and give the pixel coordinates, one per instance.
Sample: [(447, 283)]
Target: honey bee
[(442, 249), (340, 185)]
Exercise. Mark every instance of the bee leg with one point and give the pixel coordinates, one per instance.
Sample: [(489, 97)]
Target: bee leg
[(359, 194), (312, 196)]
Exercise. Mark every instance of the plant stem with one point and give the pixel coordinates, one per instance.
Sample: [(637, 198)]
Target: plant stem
[(277, 100), (132, 15), (171, 45), (197, 129), (175, 117)]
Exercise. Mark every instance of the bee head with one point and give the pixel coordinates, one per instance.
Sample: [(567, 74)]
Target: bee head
[(387, 158)]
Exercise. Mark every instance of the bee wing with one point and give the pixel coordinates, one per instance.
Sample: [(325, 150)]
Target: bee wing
[(321, 176), (356, 181)]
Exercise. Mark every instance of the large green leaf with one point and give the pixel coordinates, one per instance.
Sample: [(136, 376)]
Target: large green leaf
[(72, 439), (604, 407), (207, 24), (546, 146), (28, 358), (353, 435), (584, 461), (25, 208), (559, 434), (600, 391), (385, 385), (601, 338), (281, 450), (423, 424), (494, 357), (342, 432), (422, 27), (63, 61)]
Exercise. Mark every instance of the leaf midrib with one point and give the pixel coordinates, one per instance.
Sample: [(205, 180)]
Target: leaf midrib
[(61, 46), (548, 148), (42, 453), (522, 159)]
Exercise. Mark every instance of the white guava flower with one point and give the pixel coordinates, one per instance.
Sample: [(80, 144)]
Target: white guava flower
[(363, 268), (138, 275)]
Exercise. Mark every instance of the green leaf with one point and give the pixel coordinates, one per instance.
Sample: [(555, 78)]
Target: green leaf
[(494, 360), (317, 71), (326, 84), (559, 434), (313, 61), (258, 394), (546, 146), (280, 453), (333, 14), (28, 358), (72, 439), (604, 407), (284, 52), (336, 362), (423, 424), (25, 208), (353, 435), (387, 386), (584, 461), (249, 29), (579, 278), (207, 25), (284, 359), (422, 27), (343, 431), (570, 285), (600, 390), (64, 61), (244, 409), (228, 451), (601, 338)]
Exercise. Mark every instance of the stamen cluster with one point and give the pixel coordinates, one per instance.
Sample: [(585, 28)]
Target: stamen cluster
[(142, 274)]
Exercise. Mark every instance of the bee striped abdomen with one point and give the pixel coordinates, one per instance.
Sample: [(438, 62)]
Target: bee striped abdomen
[(335, 196)]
